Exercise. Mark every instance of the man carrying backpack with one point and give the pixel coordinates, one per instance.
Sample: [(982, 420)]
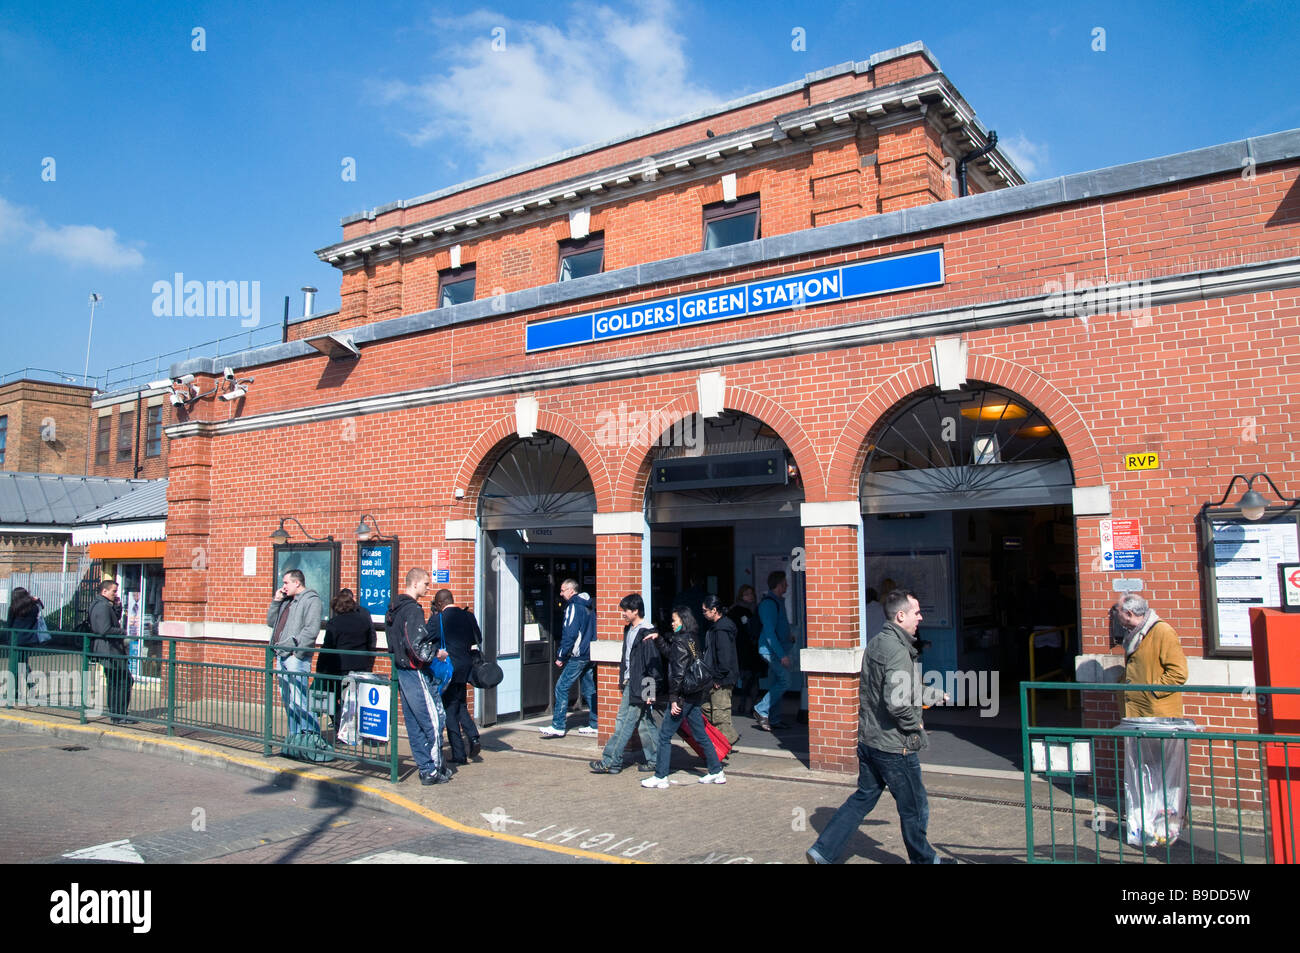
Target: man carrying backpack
[(421, 701)]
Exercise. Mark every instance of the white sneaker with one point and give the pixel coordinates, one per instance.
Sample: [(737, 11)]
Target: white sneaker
[(653, 782), (587, 730), (718, 778), (549, 732)]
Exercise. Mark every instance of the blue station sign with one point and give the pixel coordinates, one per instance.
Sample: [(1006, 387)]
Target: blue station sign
[(922, 269)]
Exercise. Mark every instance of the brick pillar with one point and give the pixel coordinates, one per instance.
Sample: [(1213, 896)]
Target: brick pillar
[(831, 661), (618, 572), (185, 562)]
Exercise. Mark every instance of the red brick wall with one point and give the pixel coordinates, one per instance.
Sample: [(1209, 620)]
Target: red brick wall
[(1203, 383)]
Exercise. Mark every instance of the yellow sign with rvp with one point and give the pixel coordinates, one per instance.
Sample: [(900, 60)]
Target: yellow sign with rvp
[(1141, 461)]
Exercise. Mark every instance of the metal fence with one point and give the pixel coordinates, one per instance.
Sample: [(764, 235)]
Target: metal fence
[(1154, 791), (66, 595), (173, 689)]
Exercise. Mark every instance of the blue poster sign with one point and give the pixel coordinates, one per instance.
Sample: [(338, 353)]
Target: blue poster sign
[(923, 269), (375, 565)]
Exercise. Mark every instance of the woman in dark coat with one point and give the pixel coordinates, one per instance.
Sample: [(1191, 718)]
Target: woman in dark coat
[(681, 653), (351, 631), (24, 615)]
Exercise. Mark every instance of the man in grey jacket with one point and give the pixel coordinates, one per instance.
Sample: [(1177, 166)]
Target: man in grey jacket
[(294, 617), (890, 735), (109, 649)]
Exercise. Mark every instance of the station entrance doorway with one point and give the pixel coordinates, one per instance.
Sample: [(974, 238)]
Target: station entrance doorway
[(967, 500), (723, 506), (535, 517)]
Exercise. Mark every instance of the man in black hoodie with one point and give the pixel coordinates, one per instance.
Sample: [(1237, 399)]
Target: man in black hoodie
[(420, 698), (721, 658)]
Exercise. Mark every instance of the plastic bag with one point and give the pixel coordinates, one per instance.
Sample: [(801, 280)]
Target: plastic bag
[(1155, 781), (349, 715)]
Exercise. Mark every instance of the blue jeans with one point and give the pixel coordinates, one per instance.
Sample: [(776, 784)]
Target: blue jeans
[(574, 669), (293, 676), (877, 770), (632, 716), (424, 717), (778, 678), (692, 715)]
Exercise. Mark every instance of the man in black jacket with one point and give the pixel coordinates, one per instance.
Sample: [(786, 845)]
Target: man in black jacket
[(110, 650), (641, 682), (720, 656), (420, 697), (460, 636)]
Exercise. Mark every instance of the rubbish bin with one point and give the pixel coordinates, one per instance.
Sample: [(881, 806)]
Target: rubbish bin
[(1155, 780)]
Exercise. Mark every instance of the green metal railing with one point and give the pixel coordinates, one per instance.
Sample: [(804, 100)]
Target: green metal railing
[(1084, 769), (173, 689)]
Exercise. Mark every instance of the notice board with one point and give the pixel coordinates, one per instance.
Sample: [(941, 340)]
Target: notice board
[(1239, 571), (927, 572)]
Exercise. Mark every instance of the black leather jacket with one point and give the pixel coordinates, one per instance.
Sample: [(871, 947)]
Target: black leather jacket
[(679, 657)]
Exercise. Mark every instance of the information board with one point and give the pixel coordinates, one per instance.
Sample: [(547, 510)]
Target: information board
[(1240, 561), (376, 571), (927, 572)]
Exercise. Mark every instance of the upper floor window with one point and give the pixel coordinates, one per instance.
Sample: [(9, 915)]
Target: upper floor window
[(125, 435), (580, 257), (4, 436), (101, 440), (153, 436), (730, 223), (455, 286)]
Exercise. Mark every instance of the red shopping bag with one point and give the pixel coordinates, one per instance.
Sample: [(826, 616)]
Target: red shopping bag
[(720, 743)]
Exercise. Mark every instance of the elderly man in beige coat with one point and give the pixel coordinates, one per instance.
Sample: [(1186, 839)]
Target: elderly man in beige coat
[(1152, 656)]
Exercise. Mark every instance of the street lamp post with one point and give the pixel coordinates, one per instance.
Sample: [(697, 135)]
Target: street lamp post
[(94, 300)]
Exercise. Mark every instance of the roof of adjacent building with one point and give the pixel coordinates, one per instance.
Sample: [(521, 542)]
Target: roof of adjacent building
[(52, 500), (147, 500)]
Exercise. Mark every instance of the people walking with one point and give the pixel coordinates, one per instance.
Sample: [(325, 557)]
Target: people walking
[(421, 702), (574, 661), (642, 686), (720, 657), (689, 684), (349, 636), (460, 635), (744, 614), (890, 735), (774, 647)]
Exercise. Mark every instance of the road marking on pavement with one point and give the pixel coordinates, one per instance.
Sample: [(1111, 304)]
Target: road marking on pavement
[(397, 799), (403, 857), (118, 851)]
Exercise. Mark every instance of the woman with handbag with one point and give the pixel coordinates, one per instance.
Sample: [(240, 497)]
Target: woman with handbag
[(689, 684), (28, 623), (349, 630)]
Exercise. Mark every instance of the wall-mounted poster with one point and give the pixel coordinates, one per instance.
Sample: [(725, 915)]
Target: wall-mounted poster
[(376, 577), (927, 573), (1239, 567), (319, 563)]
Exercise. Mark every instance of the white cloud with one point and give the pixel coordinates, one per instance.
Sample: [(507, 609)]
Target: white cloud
[(551, 87), (76, 244), (1031, 157)]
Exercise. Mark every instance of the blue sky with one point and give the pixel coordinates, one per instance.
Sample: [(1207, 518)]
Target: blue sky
[(226, 164)]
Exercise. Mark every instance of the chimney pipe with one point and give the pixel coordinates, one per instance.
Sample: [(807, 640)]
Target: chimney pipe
[(308, 299)]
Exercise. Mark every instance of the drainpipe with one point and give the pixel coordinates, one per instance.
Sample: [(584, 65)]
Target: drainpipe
[(135, 471), (971, 157)]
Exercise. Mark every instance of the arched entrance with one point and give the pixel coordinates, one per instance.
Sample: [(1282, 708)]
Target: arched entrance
[(966, 498), (722, 501), (535, 512)]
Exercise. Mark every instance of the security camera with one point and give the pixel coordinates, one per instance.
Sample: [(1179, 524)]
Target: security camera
[(460, 494), (185, 379), (235, 394), (229, 374), (176, 399), (159, 385)]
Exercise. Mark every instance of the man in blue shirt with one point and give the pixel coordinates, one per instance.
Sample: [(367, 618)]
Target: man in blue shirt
[(774, 646)]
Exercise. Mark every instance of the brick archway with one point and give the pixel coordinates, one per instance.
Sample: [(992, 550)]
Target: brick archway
[(481, 457), (851, 449), (634, 471)]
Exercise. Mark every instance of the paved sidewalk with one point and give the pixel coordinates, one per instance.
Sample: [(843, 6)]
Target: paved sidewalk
[(539, 792)]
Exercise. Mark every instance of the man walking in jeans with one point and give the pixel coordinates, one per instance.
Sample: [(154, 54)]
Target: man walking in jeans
[(890, 735), (574, 660), (641, 681)]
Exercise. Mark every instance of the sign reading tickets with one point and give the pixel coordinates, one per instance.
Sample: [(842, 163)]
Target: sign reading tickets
[(922, 269)]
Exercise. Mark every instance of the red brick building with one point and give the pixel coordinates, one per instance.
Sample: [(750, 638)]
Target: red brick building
[(797, 348)]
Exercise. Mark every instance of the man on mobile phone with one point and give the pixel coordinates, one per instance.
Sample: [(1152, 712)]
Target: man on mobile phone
[(295, 620)]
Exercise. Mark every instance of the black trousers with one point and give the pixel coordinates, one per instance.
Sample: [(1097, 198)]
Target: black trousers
[(111, 653), (458, 719)]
